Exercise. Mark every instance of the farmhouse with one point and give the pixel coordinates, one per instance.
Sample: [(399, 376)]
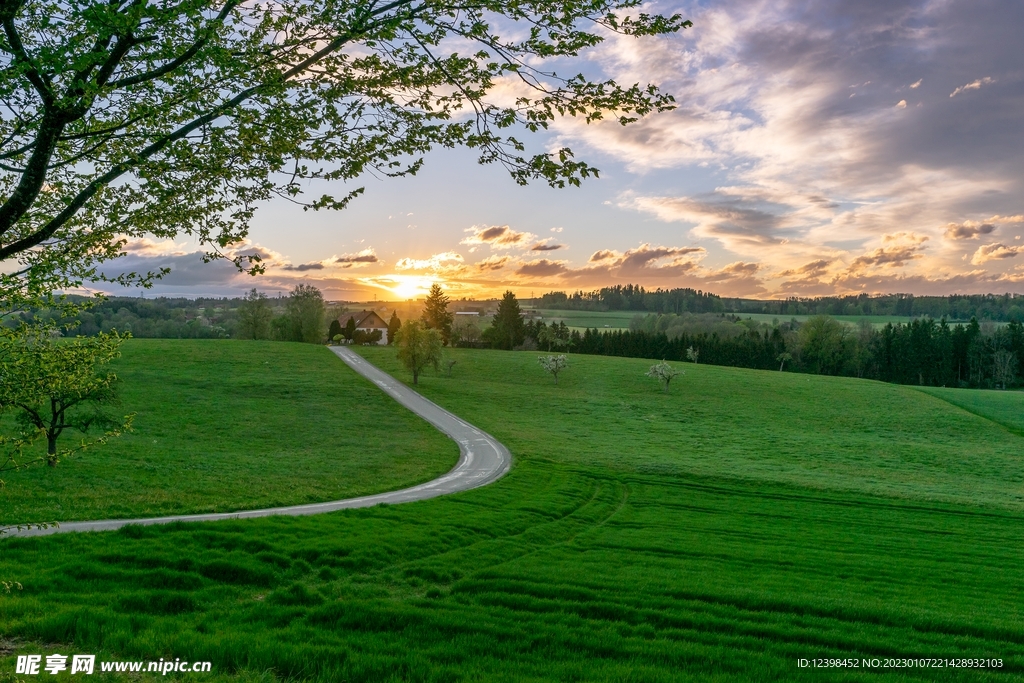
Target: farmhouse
[(366, 321)]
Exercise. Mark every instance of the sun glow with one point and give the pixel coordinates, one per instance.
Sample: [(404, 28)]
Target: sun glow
[(405, 286)]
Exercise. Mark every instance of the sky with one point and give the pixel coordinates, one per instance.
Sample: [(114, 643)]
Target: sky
[(818, 148)]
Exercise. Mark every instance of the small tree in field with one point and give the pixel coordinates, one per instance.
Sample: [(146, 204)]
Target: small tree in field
[(448, 362), (418, 347), (783, 358), (554, 364), (664, 373), (53, 385), (693, 354)]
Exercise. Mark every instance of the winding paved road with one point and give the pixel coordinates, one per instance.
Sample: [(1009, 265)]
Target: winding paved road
[(482, 460)]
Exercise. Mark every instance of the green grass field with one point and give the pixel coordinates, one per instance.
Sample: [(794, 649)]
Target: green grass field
[(1003, 408), (719, 532), (228, 425), (581, 320)]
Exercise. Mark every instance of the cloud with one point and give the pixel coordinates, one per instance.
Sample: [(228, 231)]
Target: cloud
[(556, 229), (973, 85), (446, 262), (896, 251), (604, 255), (542, 268), (968, 230), (659, 266), (492, 263), (992, 252), (814, 269), (785, 167), (732, 271), (498, 237), (740, 219), (362, 258), (302, 267), (645, 257), (545, 246), (145, 246)]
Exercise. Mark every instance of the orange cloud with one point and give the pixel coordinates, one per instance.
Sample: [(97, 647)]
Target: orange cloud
[(498, 237), (991, 252)]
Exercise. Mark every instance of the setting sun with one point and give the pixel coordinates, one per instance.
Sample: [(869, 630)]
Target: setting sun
[(406, 286)]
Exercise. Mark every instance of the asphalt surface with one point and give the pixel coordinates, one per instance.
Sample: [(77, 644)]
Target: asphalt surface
[(483, 459)]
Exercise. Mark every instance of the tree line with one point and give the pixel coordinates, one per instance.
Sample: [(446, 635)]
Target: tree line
[(923, 351), (962, 307), (634, 298)]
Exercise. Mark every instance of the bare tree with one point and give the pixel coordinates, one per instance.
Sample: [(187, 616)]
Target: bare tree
[(1004, 367)]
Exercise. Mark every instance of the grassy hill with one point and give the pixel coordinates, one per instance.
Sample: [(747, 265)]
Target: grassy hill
[(228, 425), (721, 531)]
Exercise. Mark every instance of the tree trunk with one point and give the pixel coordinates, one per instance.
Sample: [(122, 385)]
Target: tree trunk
[(51, 449), (415, 377)]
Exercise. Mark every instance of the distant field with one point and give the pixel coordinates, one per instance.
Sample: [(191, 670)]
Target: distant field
[(876, 320), (1002, 407), (620, 319), (581, 320), (229, 425), (719, 532)]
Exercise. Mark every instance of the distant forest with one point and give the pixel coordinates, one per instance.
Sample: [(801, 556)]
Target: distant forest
[(994, 307), (922, 352), (167, 318)]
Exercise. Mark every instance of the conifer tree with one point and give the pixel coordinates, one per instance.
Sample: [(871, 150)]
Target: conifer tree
[(393, 326), (507, 330), (436, 315)]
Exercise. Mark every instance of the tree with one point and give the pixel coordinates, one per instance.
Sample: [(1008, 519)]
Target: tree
[(1004, 368), (254, 316), (418, 347), (554, 364), (367, 336), (554, 335), (448, 362), (393, 326), (112, 131), (349, 331), (465, 330), (664, 373), (436, 315), (507, 330), (823, 344), (693, 354), (334, 330), (783, 358), (53, 385), (305, 311)]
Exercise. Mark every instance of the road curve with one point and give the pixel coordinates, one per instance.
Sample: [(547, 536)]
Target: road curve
[(482, 460)]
